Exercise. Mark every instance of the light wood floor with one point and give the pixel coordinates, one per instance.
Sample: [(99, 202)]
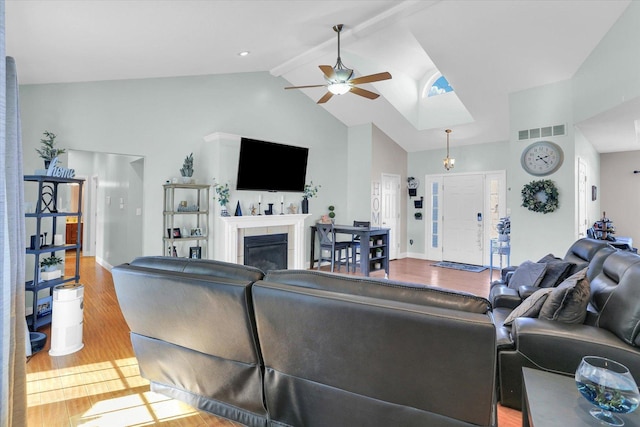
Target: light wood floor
[(100, 385)]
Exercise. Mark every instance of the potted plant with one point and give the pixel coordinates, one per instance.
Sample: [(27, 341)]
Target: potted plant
[(49, 267), (187, 169), (223, 197), (332, 213), (308, 192), (48, 151), (50, 263)]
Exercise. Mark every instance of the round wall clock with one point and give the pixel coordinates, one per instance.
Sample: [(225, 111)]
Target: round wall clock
[(542, 158)]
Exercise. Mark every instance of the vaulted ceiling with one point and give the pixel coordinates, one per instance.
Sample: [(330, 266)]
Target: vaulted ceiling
[(485, 48)]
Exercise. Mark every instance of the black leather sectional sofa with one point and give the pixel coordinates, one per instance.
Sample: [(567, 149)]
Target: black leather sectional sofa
[(611, 327), (307, 348)]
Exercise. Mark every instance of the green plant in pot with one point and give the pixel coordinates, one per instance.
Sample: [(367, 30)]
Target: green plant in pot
[(187, 167), (308, 192), (48, 151), (332, 213), (50, 263)]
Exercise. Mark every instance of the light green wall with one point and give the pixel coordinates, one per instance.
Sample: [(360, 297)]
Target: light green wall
[(163, 120), (531, 231), (360, 158)]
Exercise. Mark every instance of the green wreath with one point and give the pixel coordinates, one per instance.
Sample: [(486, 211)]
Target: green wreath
[(540, 196)]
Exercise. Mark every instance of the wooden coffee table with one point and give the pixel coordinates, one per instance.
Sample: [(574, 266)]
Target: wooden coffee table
[(550, 400)]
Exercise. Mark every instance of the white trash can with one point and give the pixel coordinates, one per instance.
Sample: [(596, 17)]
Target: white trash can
[(66, 319)]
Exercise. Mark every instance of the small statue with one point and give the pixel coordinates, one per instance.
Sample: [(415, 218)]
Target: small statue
[(292, 209), (253, 210)]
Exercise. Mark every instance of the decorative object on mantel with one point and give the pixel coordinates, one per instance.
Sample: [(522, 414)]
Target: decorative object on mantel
[(187, 169), (238, 209), (540, 196), (309, 191), (292, 209), (270, 210), (48, 151), (223, 197), (253, 210)]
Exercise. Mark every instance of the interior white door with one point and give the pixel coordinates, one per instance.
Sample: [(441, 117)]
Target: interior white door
[(463, 222), (390, 211), (582, 199)]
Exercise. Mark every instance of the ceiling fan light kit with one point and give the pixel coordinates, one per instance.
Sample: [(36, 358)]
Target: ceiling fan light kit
[(340, 79)]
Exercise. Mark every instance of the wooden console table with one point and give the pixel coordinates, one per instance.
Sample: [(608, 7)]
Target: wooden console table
[(366, 246)]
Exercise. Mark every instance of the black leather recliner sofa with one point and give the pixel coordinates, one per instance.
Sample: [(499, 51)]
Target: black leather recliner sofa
[(611, 328), (306, 348)]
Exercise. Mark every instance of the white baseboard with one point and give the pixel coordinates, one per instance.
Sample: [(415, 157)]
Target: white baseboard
[(104, 263)]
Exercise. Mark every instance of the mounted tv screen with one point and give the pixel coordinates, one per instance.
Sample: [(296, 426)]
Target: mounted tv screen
[(267, 166)]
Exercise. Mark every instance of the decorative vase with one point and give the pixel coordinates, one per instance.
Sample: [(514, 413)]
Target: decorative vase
[(224, 211), (47, 163), (609, 386), (305, 205)]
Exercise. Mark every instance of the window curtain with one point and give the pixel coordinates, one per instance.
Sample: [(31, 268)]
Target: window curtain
[(13, 393)]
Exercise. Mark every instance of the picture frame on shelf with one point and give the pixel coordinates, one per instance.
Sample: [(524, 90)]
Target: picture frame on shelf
[(196, 232), (195, 252), (172, 251), (175, 233), (44, 307)]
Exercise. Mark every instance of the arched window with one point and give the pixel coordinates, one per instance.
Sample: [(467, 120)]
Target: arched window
[(440, 86)]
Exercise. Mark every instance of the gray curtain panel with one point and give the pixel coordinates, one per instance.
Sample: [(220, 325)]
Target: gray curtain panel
[(13, 394)]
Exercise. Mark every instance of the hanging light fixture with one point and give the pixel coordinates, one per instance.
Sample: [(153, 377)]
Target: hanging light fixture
[(448, 161)]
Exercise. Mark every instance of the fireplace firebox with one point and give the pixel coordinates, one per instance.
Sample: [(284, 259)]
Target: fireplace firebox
[(266, 252)]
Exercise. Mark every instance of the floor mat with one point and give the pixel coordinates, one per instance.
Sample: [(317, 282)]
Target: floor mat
[(458, 266)]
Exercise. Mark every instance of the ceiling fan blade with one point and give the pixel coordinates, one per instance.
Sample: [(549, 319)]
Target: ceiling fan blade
[(363, 92), (371, 78), (303, 87), (327, 96), (328, 71)]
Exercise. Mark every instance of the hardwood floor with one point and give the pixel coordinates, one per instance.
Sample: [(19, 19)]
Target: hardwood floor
[(100, 385)]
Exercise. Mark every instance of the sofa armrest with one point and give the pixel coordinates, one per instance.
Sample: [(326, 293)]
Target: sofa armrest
[(556, 347), (504, 297), (559, 347)]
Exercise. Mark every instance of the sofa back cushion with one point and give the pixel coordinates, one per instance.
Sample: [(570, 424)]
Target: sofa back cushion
[(582, 251), (203, 267), (382, 288), (334, 359), (619, 296)]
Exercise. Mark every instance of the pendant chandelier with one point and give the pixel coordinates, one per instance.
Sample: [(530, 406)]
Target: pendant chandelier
[(448, 161)]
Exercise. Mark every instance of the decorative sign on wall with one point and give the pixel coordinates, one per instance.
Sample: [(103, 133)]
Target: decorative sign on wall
[(375, 204)]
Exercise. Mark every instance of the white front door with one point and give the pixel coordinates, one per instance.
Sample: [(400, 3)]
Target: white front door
[(463, 219), (390, 211)]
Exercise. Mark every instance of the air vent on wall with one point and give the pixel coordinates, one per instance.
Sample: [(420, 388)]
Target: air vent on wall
[(544, 132)]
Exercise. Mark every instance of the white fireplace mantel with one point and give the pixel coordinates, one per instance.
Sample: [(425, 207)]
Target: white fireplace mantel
[(294, 222)]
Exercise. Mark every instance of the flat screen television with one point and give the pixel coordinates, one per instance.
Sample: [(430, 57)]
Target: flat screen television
[(267, 166)]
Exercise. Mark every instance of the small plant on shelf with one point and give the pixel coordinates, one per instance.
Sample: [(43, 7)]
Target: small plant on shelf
[(50, 263), (187, 166), (48, 151)]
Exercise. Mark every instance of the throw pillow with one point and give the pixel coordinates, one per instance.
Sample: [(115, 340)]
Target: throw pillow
[(549, 258), (568, 302), (527, 274), (529, 307), (555, 274)]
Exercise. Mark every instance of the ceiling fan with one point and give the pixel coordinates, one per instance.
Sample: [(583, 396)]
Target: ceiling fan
[(340, 78)]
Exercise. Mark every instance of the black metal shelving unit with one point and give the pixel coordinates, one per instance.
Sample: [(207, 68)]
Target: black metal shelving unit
[(47, 207)]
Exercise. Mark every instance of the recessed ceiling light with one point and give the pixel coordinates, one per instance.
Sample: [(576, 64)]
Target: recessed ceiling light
[(244, 53)]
